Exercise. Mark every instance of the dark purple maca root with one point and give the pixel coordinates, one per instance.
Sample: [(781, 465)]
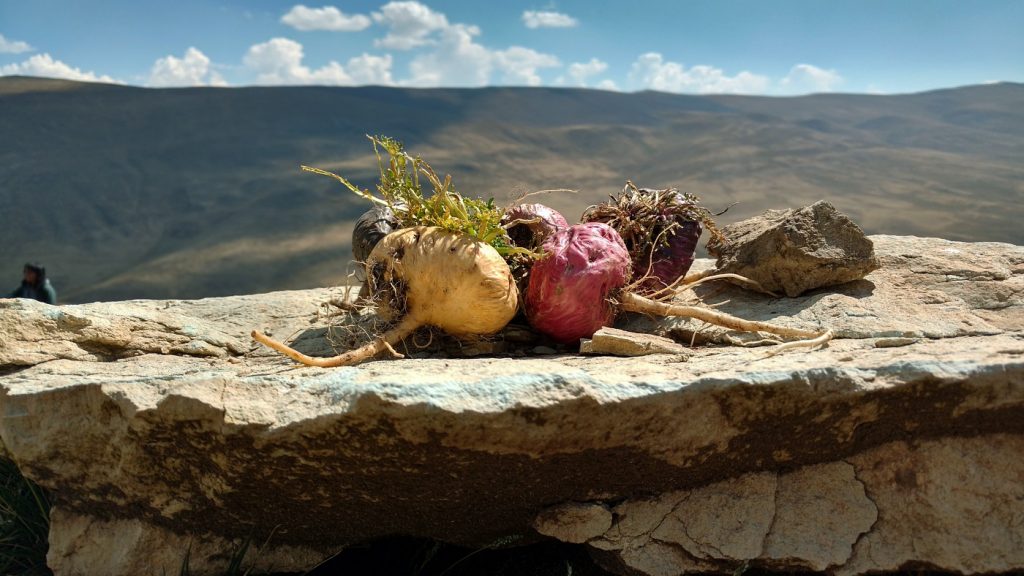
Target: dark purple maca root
[(371, 227), (529, 225), (670, 260), (660, 229)]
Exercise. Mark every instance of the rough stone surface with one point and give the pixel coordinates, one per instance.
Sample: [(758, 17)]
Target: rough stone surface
[(793, 251), (931, 494), (819, 513), (107, 331), (913, 446), (807, 519), (890, 508)]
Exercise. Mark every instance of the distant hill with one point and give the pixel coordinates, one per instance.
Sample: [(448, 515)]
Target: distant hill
[(179, 193)]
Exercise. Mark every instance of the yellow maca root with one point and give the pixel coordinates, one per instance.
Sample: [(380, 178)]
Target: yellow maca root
[(425, 276)]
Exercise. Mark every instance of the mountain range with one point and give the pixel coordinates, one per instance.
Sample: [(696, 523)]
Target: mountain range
[(126, 192)]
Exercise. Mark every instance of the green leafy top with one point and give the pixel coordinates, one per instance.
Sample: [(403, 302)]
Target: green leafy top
[(401, 191)]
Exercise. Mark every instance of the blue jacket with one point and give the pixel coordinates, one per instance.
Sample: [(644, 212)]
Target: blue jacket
[(44, 293)]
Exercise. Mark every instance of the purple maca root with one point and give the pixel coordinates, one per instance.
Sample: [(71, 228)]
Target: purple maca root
[(582, 282), (660, 229), (567, 296), (529, 225)]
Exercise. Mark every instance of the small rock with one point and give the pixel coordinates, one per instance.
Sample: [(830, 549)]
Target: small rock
[(895, 342), (518, 334), (574, 522), (793, 251), (624, 343), (476, 348)]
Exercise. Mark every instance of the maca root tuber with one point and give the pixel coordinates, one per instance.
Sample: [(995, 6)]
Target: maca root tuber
[(425, 276), (660, 229), (430, 260), (567, 296), (580, 284), (529, 225)]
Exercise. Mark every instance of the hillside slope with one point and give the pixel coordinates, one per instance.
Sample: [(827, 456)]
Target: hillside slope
[(181, 193)]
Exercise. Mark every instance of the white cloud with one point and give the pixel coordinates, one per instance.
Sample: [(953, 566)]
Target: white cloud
[(579, 72), (545, 19), (44, 65), (326, 18), (608, 84), (453, 56), (519, 65), (410, 24), (278, 61), (13, 46), (369, 69), (804, 78), (651, 71), (193, 69), (456, 61)]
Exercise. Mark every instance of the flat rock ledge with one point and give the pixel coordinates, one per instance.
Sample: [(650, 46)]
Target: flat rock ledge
[(160, 428)]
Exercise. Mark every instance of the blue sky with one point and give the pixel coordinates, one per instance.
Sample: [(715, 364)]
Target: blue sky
[(755, 47)]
